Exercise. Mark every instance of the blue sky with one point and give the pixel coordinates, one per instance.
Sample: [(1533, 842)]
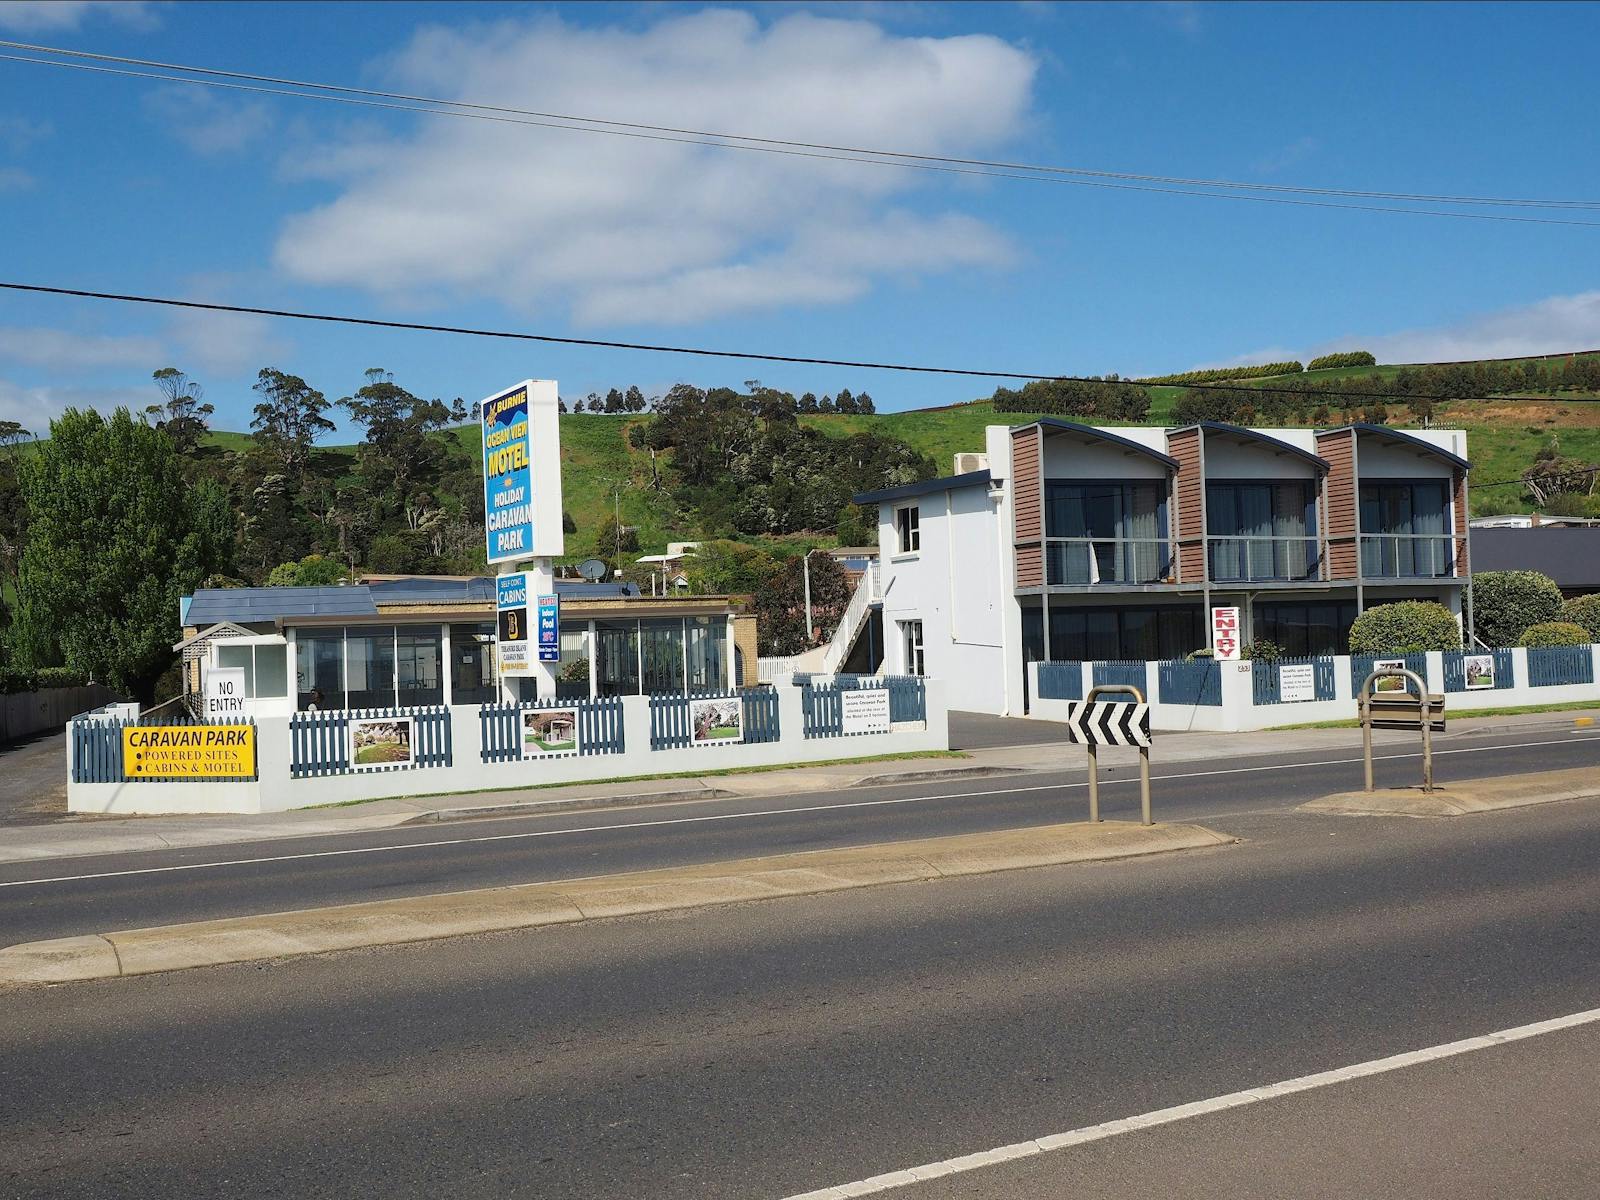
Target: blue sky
[(126, 185)]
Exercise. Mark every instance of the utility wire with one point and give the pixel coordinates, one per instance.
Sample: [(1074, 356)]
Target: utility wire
[(516, 335), (767, 141), (907, 162)]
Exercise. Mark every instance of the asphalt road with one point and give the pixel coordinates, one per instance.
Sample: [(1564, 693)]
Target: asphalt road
[(767, 1049), (65, 897)]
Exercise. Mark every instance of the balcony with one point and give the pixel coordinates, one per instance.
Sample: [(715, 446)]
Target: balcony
[(1232, 559), (1109, 561), (1407, 555)]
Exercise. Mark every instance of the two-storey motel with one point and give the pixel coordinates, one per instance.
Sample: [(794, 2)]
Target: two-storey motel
[(1076, 542)]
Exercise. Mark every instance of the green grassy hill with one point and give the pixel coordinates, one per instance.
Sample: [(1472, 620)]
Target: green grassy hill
[(602, 473)]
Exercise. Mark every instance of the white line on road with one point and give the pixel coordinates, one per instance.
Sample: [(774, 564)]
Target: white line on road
[(1181, 1112), (736, 816)]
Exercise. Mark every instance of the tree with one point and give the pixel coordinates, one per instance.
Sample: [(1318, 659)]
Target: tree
[(845, 402), (856, 527), (1554, 633), (615, 402), (288, 420), (725, 568), (182, 417), (634, 400), (612, 539), (112, 544), (1405, 627), (400, 462), (311, 571), (1504, 603), (1584, 611), (780, 605), (13, 513), (865, 405)]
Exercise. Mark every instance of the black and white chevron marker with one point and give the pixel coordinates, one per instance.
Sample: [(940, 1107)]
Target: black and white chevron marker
[(1108, 723)]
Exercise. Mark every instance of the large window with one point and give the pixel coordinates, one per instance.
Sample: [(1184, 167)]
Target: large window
[(908, 532), (1305, 627), (1099, 634), (708, 659), (472, 666), (369, 667), (617, 657), (661, 655), (319, 669), (1405, 527), (382, 666), (266, 671), (572, 673), (1106, 532), (418, 655), (1262, 530)]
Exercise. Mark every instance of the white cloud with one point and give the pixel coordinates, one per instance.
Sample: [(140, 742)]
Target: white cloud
[(18, 133), (1547, 327), (206, 123), (48, 16), (15, 179), (223, 343), (620, 229), (35, 407), (60, 349)]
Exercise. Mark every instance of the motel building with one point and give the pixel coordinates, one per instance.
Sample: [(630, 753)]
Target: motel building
[(1070, 542), (408, 641)]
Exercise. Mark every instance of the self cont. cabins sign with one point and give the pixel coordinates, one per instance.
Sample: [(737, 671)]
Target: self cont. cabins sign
[(522, 473)]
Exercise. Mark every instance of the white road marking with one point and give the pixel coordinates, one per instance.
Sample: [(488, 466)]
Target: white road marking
[(736, 816), (1182, 1112)]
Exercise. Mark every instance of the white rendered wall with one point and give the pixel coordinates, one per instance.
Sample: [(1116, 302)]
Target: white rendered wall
[(1229, 460), (1375, 461), (1065, 458)]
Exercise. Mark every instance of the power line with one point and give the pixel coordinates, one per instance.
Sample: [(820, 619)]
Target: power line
[(856, 150), (653, 348), (1023, 172)]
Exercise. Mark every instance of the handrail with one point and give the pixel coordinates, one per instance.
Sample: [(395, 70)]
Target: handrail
[(844, 636), (1153, 572)]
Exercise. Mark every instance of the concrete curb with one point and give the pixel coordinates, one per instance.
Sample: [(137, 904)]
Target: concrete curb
[(527, 906), (517, 808), (1463, 799)]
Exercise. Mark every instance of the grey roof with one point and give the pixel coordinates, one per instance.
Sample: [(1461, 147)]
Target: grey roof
[(426, 590), (1265, 439), (256, 605), (1399, 435), (1570, 556), (927, 487), (1093, 433)]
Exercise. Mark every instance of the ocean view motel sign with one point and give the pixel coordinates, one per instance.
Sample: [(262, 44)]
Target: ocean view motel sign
[(522, 473)]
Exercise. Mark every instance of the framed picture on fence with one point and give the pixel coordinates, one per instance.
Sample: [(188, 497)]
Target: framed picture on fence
[(1478, 671), (378, 742), (549, 731), (716, 721)]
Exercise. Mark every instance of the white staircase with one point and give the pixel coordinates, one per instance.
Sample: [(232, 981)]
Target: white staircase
[(855, 614)]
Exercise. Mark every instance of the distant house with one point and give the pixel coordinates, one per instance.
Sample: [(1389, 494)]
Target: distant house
[(1569, 554)]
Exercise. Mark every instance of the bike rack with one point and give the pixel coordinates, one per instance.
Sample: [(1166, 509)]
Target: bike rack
[(1094, 758)]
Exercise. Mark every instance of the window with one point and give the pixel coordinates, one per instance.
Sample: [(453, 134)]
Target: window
[(1404, 529), (572, 673), (1100, 634), (1262, 530), (911, 631), (266, 668), (1305, 627), (418, 654), (661, 648), (1106, 532), (472, 667), (369, 666), (907, 530), (617, 657), (319, 669), (707, 650)]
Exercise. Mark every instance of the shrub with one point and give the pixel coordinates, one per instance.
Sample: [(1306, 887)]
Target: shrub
[(1348, 358), (1405, 627), (1584, 611), (1219, 374), (1504, 603), (1263, 651), (1555, 633)]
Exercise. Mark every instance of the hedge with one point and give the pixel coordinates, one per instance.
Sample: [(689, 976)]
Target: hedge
[(1405, 627), (1219, 374), (1555, 633), (1348, 358), (1504, 603), (14, 682), (1584, 611)]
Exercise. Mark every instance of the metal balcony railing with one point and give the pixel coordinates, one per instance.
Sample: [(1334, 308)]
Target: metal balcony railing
[(1232, 559), (1092, 561), (1407, 555)]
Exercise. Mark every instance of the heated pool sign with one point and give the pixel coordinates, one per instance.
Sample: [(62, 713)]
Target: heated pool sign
[(522, 473)]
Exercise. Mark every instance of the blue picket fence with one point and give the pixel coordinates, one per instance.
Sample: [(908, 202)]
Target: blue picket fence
[(1061, 681), (1455, 670), (97, 748), (599, 727), (1265, 682), (319, 742), (1361, 666), (823, 711), (1122, 674), (1189, 681), (671, 727), (1552, 666)]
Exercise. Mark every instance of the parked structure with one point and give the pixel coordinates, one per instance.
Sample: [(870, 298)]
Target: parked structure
[(1079, 542), (428, 640)]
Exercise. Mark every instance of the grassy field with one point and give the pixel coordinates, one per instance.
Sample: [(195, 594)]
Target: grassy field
[(602, 474)]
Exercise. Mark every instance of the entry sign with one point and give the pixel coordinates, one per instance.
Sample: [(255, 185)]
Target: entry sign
[(1225, 634), (865, 711), (522, 473), (224, 692), (511, 612), (550, 628)]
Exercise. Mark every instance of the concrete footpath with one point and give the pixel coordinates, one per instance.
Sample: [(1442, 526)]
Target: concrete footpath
[(1462, 799), (89, 835), (489, 910)]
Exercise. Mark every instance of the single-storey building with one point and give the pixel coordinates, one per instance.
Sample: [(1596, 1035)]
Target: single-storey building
[(430, 640), (1081, 542), (1569, 554)]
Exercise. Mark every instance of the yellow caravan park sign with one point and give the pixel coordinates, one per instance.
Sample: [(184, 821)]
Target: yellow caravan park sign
[(188, 751)]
